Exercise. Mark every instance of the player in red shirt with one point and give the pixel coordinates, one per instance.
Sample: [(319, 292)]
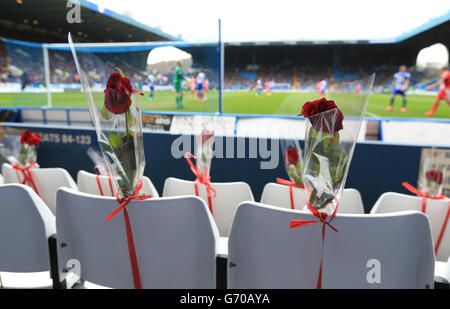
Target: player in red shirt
[(193, 83), (267, 85), (444, 92), (206, 87)]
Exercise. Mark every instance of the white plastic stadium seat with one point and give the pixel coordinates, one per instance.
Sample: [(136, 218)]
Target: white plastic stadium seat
[(442, 270), (87, 183), (25, 226), (175, 241), (436, 212), (228, 196), (47, 180), (265, 253), (278, 195)]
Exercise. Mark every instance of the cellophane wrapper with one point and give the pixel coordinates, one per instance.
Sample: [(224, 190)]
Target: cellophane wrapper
[(204, 149), (328, 153), (15, 152), (99, 161), (293, 159), (432, 173), (119, 135)]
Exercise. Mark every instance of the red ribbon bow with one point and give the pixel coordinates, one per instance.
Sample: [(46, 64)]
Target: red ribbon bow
[(97, 170), (124, 201), (322, 219), (424, 197), (27, 177), (291, 185), (203, 179)]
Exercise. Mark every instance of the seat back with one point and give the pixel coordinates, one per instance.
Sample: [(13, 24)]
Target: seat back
[(175, 240), (228, 196), (87, 183), (25, 225), (265, 253), (47, 181), (278, 195), (436, 211)]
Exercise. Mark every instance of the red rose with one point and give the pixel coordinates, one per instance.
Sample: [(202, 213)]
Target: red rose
[(330, 123), (30, 138), (206, 135), (434, 175), (291, 156), (118, 94)]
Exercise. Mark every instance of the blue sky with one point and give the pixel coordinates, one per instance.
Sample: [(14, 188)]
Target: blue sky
[(263, 20)]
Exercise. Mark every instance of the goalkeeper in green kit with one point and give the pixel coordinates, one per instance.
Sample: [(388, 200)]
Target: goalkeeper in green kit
[(177, 82)]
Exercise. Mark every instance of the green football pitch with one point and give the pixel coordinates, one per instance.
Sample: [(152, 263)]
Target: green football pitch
[(281, 103)]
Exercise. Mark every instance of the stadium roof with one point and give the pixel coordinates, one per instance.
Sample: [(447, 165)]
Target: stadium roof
[(45, 21)]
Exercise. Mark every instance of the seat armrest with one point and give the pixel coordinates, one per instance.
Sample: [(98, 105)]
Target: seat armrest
[(221, 271), (441, 283)]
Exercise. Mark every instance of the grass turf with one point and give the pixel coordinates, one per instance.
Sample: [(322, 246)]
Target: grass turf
[(235, 102)]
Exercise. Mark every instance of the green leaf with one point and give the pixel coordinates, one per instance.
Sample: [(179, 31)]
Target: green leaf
[(328, 141), (131, 120), (335, 140), (312, 199), (106, 114), (338, 161), (114, 140), (299, 168)]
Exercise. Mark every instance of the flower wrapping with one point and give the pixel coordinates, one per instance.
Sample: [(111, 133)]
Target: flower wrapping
[(20, 150), (101, 169), (293, 160), (204, 151), (96, 156), (332, 128), (432, 173), (116, 115)]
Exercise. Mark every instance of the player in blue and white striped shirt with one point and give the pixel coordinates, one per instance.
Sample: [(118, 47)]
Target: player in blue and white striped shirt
[(400, 84)]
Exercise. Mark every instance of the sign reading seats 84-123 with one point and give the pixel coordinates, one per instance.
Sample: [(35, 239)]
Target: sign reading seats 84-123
[(76, 138), (67, 138)]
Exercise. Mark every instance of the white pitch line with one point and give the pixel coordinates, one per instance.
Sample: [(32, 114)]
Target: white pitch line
[(372, 114)]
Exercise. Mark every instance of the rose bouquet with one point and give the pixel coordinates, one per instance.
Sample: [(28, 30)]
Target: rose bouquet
[(203, 156), (28, 143), (431, 179), (117, 119), (21, 150), (116, 115), (204, 151), (293, 161), (332, 128), (432, 174)]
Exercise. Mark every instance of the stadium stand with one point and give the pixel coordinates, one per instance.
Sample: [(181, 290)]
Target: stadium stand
[(336, 61), (298, 66)]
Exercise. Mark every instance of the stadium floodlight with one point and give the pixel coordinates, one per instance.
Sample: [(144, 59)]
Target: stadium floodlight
[(165, 58)]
